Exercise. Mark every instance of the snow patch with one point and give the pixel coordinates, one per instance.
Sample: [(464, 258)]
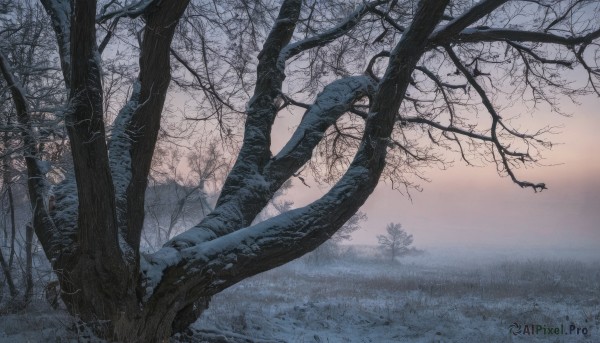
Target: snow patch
[(335, 99), (152, 267)]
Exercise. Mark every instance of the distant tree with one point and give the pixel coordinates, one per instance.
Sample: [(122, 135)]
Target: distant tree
[(396, 242), (331, 250), (346, 231), (25, 38), (176, 199)]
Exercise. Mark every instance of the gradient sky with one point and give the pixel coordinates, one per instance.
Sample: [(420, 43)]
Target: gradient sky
[(473, 206)]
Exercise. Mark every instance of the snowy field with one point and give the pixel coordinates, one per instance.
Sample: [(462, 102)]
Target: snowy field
[(437, 297)]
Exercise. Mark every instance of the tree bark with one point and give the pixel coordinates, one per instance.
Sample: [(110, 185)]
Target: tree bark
[(7, 182), (96, 280), (28, 263), (13, 228), (8, 277), (154, 78)]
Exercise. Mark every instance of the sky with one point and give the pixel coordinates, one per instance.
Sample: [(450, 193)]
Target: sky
[(474, 207)]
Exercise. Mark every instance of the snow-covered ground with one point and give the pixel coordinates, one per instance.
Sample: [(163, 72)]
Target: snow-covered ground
[(444, 298), (438, 297)]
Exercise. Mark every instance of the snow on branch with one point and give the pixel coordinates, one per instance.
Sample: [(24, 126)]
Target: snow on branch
[(335, 100), (256, 189), (223, 261), (120, 143), (64, 214), (133, 10), (227, 259), (119, 155), (261, 111)]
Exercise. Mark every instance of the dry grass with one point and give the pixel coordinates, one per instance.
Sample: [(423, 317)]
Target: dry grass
[(410, 301)]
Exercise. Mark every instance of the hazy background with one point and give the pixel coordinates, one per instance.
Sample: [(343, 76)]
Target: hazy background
[(464, 207)]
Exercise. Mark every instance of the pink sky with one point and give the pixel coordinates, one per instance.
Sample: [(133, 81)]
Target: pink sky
[(466, 206)]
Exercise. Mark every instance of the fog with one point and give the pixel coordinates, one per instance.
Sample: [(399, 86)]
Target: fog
[(465, 207)]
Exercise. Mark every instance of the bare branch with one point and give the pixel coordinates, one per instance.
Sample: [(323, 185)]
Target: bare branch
[(541, 59), (450, 128), (36, 179), (324, 38), (564, 15), (502, 150), (208, 89)]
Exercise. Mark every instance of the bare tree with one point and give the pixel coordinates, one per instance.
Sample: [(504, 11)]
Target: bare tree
[(175, 200), (397, 241), (331, 249), (28, 46), (384, 85)]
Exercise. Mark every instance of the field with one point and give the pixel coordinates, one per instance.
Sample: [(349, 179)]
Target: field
[(437, 297)]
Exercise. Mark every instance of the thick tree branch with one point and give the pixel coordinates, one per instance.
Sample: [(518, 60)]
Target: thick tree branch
[(144, 123), (261, 111), (85, 126), (109, 34), (369, 69), (60, 14), (335, 100), (476, 12), (209, 267), (119, 146), (485, 34)]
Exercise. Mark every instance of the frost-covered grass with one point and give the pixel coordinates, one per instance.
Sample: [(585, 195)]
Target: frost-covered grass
[(40, 323), (437, 297), (416, 301)]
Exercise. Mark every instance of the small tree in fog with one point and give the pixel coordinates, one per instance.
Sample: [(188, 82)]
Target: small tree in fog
[(396, 242)]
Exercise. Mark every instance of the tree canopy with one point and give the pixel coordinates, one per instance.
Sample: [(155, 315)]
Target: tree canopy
[(387, 88)]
